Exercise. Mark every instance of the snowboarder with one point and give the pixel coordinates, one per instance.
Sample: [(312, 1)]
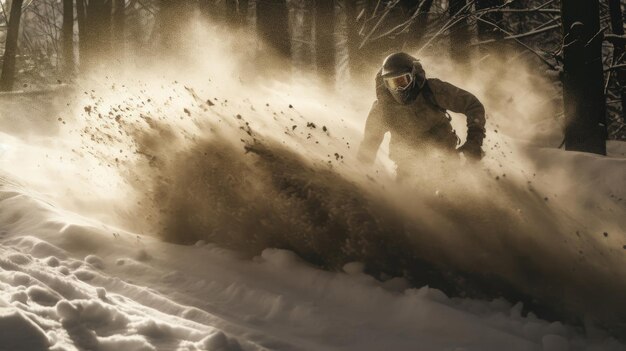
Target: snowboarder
[(414, 110)]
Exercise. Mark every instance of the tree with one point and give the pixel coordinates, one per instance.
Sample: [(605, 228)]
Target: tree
[(459, 34), (273, 25), (81, 14), (325, 38), (7, 79), (119, 24), (231, 10), (236, 12), (485, 30), (68, 37), (243, 11), (617, 27), (583, 77), (95, 31), (420, 22)]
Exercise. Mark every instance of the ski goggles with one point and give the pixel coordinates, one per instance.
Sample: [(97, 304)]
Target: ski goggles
[(400, 82)]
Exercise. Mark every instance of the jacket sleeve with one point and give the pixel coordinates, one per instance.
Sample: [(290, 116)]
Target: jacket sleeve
[(374, 133), (458, 100)]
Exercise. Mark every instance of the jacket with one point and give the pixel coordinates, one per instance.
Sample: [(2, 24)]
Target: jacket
[(421, 124)]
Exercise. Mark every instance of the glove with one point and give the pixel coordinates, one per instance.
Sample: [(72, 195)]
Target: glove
[(472, 151)]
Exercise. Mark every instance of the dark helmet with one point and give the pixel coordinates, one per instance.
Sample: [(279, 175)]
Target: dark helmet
[(403, 76)]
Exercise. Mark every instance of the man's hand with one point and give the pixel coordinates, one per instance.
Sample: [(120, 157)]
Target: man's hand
[(472, 151)]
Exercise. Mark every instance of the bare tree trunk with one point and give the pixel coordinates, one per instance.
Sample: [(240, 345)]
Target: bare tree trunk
[(119, 25), (106, 31), (273, 25), (486, 31), (97, 25), (236, 12), (83, 35), (418, 28), (68, 37), (617, 26), (459, 33), (231, 11), (243, 11), (325, 38), (303, 46), (7, 79), (583, 77)]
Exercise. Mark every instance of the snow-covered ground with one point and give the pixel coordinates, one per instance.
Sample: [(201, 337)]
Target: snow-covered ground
[(113, 153), (71, 283)]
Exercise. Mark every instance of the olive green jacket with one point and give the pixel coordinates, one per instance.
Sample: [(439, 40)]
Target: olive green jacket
[(421, 124)]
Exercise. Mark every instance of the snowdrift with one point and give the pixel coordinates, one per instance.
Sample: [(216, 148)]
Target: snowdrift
[(68, 283)]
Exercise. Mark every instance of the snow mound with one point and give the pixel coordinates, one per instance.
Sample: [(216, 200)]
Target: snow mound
[(93, 294)]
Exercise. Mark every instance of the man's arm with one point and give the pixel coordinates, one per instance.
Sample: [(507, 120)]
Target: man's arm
[(374, 133), (458, 100)]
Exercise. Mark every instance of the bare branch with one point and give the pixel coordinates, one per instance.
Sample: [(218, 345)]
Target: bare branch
[(519, 36), (539, 55), (615, 39)]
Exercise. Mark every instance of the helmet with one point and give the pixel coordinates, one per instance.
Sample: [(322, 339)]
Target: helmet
[(403, 76)]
